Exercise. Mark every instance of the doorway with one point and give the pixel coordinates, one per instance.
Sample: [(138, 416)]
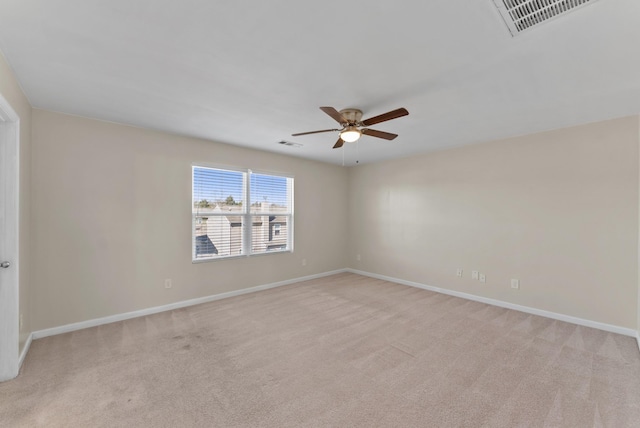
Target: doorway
[(9, 281)]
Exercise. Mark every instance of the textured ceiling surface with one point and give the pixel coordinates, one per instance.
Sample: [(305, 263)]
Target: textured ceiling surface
[(251, 73)]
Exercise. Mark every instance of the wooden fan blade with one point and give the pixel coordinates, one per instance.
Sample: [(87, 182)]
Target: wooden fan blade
[(379, 134), (394, 114), (313, 132), (335, 114), (338, 144)]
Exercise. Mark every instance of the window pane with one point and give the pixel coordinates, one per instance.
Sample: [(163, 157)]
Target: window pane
[(225, 224), (217, 236), (270, 194), (269, 233), (217, 190)]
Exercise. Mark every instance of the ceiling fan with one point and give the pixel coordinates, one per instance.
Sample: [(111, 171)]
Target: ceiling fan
[(352, 127)]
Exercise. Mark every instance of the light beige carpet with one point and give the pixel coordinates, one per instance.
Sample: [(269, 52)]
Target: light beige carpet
[(341, 351)]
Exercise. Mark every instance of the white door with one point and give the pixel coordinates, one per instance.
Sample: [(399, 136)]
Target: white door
[(9, 308)]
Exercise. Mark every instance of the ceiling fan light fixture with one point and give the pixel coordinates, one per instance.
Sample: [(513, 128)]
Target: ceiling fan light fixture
[(349, 120), (351, 134)]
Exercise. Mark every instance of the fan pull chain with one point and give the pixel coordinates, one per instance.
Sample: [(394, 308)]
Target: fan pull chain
[(357, 151), (342, 155)]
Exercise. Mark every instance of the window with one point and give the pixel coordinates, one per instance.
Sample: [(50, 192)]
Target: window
[(226, 202)]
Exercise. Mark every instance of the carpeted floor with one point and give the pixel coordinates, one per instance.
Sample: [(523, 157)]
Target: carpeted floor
[(340, 351)]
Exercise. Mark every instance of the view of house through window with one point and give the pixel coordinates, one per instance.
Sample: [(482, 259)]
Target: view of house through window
[(240, 213)]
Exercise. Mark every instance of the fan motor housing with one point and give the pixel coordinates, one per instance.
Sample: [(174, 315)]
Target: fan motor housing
[(353, 115)]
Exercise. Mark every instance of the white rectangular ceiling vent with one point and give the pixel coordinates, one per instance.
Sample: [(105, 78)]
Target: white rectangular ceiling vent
[(521, 15)]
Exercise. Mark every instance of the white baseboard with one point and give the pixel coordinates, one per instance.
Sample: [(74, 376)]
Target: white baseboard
[(149, 311), (171, 306), (23, 354), (553, 315)]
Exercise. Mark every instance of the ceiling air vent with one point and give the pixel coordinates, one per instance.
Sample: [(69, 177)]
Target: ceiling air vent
[(289, 143), (521, 15)]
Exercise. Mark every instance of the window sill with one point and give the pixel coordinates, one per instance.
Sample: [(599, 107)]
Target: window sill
[(243, 256)]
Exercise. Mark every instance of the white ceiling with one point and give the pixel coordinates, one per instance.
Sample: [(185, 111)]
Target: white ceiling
[(251, 73)]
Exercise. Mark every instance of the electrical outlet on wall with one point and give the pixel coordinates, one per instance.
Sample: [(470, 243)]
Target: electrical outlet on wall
[(482, 277), (167, 283), (459, 272), (515, 283), (474, 274)]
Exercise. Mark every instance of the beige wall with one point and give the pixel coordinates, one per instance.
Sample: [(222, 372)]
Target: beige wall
[(112, 219), (557, 210), (11, 91)]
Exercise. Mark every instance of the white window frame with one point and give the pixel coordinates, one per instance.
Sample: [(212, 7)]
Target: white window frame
[(246, 214)]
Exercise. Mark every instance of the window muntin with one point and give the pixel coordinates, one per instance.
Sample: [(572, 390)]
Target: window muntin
[(221, 216)]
